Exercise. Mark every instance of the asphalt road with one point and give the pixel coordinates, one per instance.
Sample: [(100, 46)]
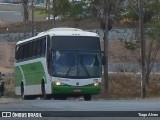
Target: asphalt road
[(11, 16), (11, 13), (87, 110)]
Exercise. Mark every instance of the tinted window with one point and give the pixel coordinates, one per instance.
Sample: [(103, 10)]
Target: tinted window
[(76, 64), (75, 43), (39, 48), (34, 48), (25, 50), (43, 46), (31, 49), (30, 54), (20, 50)]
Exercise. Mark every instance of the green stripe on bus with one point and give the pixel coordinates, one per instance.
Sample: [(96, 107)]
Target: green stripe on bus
[(18, 76), (33, 73)]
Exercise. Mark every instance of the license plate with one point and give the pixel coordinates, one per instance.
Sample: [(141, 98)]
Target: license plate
[(77, 91)]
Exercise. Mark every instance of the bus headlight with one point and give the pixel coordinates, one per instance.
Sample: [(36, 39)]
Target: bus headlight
[(96, 84), (58, 83)]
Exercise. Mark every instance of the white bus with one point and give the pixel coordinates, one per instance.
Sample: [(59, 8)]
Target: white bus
[(59, 63)]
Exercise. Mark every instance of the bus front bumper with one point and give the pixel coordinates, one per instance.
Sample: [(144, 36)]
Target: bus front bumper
[(75, 90)]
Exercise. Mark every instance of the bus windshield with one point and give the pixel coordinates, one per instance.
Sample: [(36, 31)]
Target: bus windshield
[(76, 64)]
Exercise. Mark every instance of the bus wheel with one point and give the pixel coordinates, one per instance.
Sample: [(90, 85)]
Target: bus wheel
[(44, 95), (87, 97), (22, 92)]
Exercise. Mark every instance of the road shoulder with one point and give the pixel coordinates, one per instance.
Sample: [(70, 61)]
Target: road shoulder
[(8, 100)]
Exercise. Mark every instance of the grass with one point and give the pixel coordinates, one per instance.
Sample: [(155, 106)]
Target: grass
[(38, 14), (123, 86)]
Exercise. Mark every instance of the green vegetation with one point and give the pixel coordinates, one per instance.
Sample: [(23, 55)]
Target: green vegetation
[(38, 14), (66, 9)]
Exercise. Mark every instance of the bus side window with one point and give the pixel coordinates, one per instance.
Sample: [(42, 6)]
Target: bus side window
[(43, 46), (34, 48), (39, 47), (30, 50), (20, 52), (26, 50), (23, 51)]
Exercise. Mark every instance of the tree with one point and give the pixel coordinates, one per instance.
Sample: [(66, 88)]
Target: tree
[(152, 32), (97, 7), (68, 9), (110, 8), (62, 7), (25, 15), (25, 11)]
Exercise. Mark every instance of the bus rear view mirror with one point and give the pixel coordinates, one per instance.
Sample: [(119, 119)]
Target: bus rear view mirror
[(103, 60)]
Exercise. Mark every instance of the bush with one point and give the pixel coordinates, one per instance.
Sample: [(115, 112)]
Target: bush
[(128, 86)]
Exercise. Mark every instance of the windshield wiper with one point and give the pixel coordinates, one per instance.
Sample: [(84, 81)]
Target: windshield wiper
[(85, 69), (70, 68)]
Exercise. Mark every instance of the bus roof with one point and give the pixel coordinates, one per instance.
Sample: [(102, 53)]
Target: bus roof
[(61, 32)]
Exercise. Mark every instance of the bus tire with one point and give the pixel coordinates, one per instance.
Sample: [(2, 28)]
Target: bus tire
[(44, 95), (22, 92), (87, 97)]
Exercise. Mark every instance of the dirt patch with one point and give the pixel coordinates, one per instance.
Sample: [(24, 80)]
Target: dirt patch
[(2, 23), (7, 51)]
